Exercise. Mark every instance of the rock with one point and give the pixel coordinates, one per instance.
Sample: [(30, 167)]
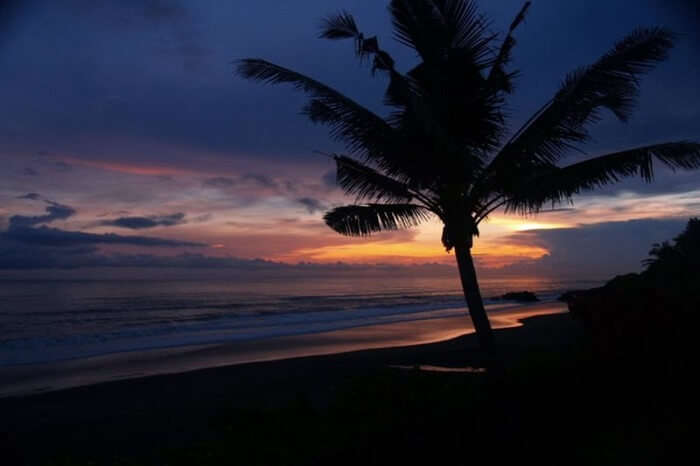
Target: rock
[(521, 296)]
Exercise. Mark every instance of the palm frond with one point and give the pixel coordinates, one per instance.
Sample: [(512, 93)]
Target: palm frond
[(363, 220), (339, 26), (367, 184), (611, 83), (350, 122), (343, 26), (433, 27), (465, 26), (498, 77), (556, 185), (362, 131), (446, 96)]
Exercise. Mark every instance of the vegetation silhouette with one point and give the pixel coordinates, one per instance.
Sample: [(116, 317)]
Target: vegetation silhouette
[(444, 149), (648, 318), (677, 262)]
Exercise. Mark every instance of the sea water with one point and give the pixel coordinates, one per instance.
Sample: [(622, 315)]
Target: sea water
[(53, 320)]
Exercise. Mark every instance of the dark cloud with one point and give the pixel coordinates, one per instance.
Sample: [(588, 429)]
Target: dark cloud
[(16, 258), (219, 182), (599, 250), (202, 218), (312, 205), (558, 209), (249, 178), (30, 196), (26, 246), (244, 118), (118, 212), (23, 257), (54, 211), (261, 180), (186, 260), (138, 223), (54, 237), (62, 166), (28, 171), (119, 99)]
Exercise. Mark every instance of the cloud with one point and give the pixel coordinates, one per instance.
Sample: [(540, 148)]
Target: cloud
[(312, 205), (202, 218), (55, 211), (118, 212), (18, 256), (28, 258), (62, 166), (28, 171), (27, 246), (139, 223), (599, 250), (30, 196), (247, 179), (262, 180), (15, 257), (219, 182), (45, 236)]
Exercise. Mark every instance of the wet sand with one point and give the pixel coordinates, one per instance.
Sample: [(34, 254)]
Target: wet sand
[(159, 412), (41, 378)]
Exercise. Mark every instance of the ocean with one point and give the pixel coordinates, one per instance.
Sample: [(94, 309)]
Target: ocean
[(53, 320)]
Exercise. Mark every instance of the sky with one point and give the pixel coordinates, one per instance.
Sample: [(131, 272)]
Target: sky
[(127, 142)]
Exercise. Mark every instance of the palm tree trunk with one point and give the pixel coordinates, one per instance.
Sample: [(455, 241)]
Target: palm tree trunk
[(472, 295)]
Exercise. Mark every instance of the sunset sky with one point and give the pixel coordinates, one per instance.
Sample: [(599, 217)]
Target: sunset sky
[(126, 140)]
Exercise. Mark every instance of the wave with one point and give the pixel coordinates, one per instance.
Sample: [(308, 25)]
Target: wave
[(51, 321), (215, 328)]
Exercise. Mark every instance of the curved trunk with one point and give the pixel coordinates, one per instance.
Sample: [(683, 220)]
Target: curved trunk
[(477, 312)]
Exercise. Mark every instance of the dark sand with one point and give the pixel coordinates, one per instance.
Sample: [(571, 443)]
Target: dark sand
[(166, 411), (40, 378)]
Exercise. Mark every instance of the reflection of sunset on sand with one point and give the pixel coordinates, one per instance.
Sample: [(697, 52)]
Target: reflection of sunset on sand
[(48, 377)]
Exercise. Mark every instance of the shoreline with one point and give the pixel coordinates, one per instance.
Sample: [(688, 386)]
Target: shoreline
[(26, 380), (147, 416)]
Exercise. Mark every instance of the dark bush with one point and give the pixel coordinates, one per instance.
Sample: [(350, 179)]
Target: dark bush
[(650, 317)]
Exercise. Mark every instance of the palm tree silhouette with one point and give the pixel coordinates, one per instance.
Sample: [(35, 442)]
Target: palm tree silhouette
[(443, 150)]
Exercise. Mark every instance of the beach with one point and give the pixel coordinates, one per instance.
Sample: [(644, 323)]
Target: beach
[(27, 379), (145, 414), (554, 404)]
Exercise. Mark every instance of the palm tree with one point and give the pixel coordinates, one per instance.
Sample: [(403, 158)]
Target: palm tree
[(443, 151)]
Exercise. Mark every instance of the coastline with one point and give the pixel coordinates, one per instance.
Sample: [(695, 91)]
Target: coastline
[(146, 416), (23, 380)]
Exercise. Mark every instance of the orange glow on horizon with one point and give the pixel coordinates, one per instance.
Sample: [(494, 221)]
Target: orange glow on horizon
[(523, 224), (509, 250), (490, 254), (369, 252)]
